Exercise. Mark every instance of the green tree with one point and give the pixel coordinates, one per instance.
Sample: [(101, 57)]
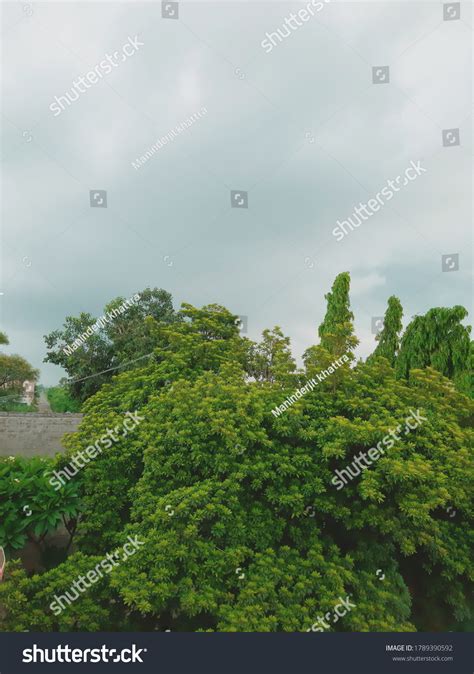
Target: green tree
[(85, 363), (439, 340), (271, 359), (124, 337), (244, 524), (14, 370), (336, 332), (29, 608), (201, 341), (389, 337), (129, 333)]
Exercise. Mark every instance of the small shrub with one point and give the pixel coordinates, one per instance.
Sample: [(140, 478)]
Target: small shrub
[(60, 400)]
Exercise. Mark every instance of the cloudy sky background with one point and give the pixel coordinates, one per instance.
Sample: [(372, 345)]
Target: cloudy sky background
[(302, 128)]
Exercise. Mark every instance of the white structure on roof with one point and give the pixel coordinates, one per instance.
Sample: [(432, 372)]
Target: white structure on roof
[(28, 392)]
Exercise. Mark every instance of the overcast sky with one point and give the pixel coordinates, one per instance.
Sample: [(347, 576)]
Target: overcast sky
[(303, 129)]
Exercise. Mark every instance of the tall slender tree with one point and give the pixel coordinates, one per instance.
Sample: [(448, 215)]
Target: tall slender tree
[(336, 332), (389, 337), (337, 329)]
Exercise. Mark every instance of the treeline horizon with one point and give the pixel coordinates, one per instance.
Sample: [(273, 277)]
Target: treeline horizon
[(242, 523), (437, 339)]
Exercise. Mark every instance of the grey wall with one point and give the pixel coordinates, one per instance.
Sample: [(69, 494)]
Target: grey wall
[(35, 434)]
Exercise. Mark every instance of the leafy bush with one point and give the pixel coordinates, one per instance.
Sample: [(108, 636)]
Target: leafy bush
[(30, 508), (11, 404), (61, 401), (28, 608)]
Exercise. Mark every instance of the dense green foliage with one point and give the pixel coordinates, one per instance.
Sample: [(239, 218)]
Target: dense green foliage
[(243, 528), (29, 507), (115, 342), (271, 359), (60, 400), (337, 330), (8, 403), (28, 610), (438, 340), (14, 370)]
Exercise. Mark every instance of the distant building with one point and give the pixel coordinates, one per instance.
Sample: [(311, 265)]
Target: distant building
[(28, 392)]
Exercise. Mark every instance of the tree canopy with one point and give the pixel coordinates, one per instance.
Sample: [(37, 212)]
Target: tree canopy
[(119, 340), (243, 525), (14, 370), (439, 340)]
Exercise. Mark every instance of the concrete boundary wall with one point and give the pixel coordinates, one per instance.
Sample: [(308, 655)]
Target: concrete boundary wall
[(35, 433)]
